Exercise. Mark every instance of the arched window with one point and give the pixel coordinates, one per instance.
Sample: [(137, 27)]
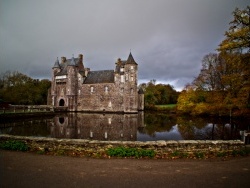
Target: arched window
[(106, 89), (61, 102)]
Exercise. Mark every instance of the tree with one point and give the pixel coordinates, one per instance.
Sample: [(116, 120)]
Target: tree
[(211, 73), (238, 37), (236, 51), (223, 84), (159, 94), (18, 88)]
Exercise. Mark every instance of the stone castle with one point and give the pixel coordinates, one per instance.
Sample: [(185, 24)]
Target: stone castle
[(76, 88)]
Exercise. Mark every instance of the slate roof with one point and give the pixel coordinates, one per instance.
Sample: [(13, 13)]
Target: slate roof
[(103, 76), (56, 65), (140, 91), (63, 66), (130, 59)]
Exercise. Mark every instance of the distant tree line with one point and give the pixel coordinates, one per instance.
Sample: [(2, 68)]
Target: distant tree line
[(223, 84), (158, 94), (19, 89)]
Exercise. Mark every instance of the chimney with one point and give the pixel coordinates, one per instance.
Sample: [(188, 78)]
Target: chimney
[(63, 60), (80, 62), (118, 61)]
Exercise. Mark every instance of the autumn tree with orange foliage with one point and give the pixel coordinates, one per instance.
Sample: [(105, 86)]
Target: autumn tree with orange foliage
[(223, 84)]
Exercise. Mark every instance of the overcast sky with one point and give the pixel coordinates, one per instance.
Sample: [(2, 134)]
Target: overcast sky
[(167, 38)]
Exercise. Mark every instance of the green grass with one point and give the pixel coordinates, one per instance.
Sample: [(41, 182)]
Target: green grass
[(166, 106)]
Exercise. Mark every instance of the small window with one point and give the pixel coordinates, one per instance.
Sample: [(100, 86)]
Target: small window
[(132, 67), (122, 69), (132, 90), (91, 89), (106, 89), (131, 78), (122, 78)]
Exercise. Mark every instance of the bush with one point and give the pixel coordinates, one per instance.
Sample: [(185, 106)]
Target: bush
[(14, 145), (130, 152), (199, 155)]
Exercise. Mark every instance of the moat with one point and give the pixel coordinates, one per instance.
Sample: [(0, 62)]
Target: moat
[(143, 126)]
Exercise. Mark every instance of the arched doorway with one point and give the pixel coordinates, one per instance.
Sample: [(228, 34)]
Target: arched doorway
[(61, 102), (61, 120)]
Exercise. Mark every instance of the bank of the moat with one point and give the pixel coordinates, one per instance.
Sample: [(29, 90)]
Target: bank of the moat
[(162, 149)]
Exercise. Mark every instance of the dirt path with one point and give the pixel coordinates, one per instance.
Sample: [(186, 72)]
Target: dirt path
[(32, 170)]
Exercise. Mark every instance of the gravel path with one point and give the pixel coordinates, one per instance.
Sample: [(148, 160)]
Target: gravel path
[(20, 169)]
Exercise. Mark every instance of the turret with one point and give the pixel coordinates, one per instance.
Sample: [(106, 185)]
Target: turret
[(55, 70), (56, 67), (72, 84)]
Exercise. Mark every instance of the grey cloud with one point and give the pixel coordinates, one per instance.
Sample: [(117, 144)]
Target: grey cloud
[(167, 38)]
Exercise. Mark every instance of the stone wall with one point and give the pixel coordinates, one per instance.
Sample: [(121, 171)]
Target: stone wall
[(160, 147)]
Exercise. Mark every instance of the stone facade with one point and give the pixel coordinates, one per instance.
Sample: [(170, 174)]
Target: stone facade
[(76, 88)]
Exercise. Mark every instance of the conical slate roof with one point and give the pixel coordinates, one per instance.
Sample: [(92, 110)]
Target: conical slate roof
[(56, 65), (140, 91), (130, 59)]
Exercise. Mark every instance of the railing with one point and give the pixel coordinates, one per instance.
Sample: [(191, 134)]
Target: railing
[(26, 108)]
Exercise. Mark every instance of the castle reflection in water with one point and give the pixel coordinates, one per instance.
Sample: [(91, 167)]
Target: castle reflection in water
[(120, 127)]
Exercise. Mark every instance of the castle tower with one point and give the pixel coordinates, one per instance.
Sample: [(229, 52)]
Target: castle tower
[(72, 84), (130, 87), (55, 69)]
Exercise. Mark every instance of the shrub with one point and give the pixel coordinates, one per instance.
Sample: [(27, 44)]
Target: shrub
[(14, 145), (199, 155), (130, 152)]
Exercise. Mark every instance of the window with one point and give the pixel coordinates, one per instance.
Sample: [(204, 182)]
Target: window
[(106, 89), (122, 78), (132, 90), (122, 69), (126, 76), (131, 78), (91, 89), (132, 67)]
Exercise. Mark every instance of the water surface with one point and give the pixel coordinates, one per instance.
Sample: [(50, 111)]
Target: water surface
[(126, 127)]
